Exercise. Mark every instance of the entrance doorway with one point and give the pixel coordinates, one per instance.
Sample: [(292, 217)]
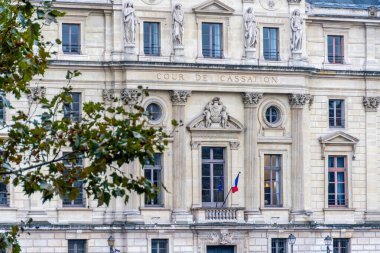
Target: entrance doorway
[(220, 249)]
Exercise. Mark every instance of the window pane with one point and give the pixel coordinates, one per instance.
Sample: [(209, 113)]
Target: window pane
[(151, 38), (340, 162), (206, 153), (218, 153), (331, 162)]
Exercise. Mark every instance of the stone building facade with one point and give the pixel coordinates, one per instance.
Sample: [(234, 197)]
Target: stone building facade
[(283, 93)]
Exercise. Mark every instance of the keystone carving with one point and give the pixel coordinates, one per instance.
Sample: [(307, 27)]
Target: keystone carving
[(130, 96), (371, 103), (179, 96), (36, 93), (300, 99), (108, 95), (251, 98)]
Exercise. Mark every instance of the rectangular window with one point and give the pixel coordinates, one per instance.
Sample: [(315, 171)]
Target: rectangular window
[(341, 245), (77, 246), (152, 38), (271, 50), (212, 40), (80, 200), (335, 49), (3, 195), (279, 245), (272, 180), (2, 109), (221, 249), (337, 181), (73, 110), (213, 176), (153, 173), (71, 38), (336, 113), (160, 246)]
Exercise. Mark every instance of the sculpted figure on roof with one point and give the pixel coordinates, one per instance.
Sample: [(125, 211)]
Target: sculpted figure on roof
[(250, 29), (296, 24), (129, 23)]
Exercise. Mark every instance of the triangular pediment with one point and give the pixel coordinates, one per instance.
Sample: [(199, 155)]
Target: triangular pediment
[(338, 138), (213, 7)]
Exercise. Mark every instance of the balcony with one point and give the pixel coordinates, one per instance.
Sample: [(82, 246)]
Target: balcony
[(227, 214)]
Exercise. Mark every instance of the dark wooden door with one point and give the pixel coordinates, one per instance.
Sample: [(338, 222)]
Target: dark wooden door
[(220, 249)]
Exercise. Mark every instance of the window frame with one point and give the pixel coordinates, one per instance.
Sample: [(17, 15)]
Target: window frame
[(332, 54), (3, 115), (152, 168), (76, 241), (337, 170), (212, 162), (280, 180), (277, 241), (277, 53), (339, 241), (158, 240), (82, 195), (70, 114), (79, 46), (158, 53), (7, 194), (212, 40), (343, 113)]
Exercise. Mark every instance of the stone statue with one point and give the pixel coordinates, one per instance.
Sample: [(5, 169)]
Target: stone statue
[(178, 29), (216, 112), (296, 24), (250, 28), (129, 23)]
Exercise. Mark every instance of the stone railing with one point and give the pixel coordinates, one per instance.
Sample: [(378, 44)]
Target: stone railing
[(228, 214)]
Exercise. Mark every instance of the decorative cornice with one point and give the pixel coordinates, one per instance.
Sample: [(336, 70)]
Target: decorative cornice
[(371, 103), (129, 96), (108, 95), (299, 100), (251, 98), (179, 97), (36, 93)]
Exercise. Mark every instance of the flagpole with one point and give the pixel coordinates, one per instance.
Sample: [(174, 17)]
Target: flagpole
[(224, 202)]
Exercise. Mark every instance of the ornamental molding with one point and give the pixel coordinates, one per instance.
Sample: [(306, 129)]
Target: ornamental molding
[(294, 1), (215, 117), (299, 100), (129, 96), (371, 103), (36, 93), (108, 95), (251, 98), (179, 96), (338, 138), (213, 7)]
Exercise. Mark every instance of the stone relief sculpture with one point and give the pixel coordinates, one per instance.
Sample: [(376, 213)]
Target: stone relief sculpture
[(371, 103), (215, 112), (296, 24), (129, 23), (178, 28), (129, 96), (179, 96), (250, 29)]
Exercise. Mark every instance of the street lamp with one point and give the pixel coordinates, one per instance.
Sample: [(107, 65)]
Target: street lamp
[(292, 241), (111, 244), (328, 241)]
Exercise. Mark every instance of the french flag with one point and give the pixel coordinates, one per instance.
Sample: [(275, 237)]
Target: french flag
[(235, 187)]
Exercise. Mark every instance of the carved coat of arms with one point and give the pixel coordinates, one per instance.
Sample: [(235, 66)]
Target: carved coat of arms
[(215, 112), (270, 4)]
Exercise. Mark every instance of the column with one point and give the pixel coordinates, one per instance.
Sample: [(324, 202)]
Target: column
[(132, 208), (370, 105), (181, 212), (299, 164), (251, 167)]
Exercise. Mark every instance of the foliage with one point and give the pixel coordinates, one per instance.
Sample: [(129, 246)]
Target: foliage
[(43, 148)]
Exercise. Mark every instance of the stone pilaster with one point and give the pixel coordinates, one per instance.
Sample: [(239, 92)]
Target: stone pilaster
[(371, 63), (371, 105), (299, 165), (251, 168), (181, 212)]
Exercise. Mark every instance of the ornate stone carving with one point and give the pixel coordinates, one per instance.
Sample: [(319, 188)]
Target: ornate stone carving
[(179, 96), (178, 25), (129, 23), (371, 103), (299, 99), (234, 144), (224, 237), (271, 4), (251, 98), (294, 1), (108, 95), (129, 96), (296, 24), (195, 144), (372, 11), (250, 29), (215, 113), (36, 93)]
